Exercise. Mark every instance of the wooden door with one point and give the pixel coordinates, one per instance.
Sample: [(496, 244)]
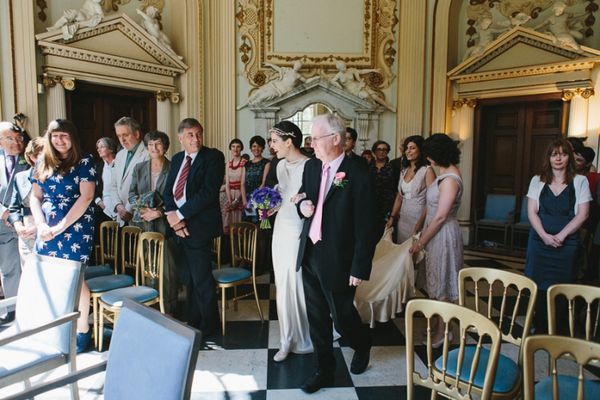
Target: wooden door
[(94, 109), (510, 144)]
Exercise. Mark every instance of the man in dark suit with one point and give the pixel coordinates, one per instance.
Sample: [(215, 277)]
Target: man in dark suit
[(11, 162), (336, 248), (191, 200), (350, 143)]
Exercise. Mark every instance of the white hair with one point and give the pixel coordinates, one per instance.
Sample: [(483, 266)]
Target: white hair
[(334, 122)]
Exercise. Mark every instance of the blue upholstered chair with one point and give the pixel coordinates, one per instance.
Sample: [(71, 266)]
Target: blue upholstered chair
[(43, 334), (148, 287), (476, 365), (558, 385), (108, 251), (243, 252), (497, 215), (522, 225), (510, 293), (151, 357)]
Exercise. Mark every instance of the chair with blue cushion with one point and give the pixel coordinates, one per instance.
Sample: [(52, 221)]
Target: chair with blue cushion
[(559, 385), (43, 335), (151, 357), (109, 231), (129, 245), (581, 300), (497, 215), (475, 364), (148, 287), (243, 252), (502, 297), (522, 225)]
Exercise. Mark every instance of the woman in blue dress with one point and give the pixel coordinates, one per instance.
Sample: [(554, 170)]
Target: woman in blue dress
[(62, 192), (557, 206)]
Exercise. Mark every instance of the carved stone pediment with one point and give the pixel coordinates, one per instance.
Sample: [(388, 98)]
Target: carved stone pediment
[(523, 52), (118, 51)]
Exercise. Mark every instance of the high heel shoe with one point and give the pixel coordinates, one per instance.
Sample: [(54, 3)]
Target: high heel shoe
[(440, 342), (280, 356)]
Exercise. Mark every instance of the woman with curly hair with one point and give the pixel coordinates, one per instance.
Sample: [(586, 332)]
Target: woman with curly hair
[(441, 237)]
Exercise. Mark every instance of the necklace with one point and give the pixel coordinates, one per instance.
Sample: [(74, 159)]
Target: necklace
[(239, 164)]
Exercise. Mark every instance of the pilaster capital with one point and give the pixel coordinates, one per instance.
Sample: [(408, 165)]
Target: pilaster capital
[(585, 92), (51, 81), (162, 95), (457, 104)]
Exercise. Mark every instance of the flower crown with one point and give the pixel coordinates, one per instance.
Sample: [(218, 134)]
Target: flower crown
[(280, 132)]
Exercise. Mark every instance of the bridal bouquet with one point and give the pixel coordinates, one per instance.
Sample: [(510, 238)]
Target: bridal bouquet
[(263, 200)]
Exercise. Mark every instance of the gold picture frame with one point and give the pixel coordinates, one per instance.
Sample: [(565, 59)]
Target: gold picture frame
[(256, 33)]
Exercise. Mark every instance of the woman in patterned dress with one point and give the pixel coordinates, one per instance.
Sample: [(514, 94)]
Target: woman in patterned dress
[(235, 190), (62, 193), (441, 237)]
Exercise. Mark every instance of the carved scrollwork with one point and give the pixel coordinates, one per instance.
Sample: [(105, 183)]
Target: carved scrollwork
[(586, 93), (113, 5), (51, 81), (458, 104), (161, 95), (255, 19)]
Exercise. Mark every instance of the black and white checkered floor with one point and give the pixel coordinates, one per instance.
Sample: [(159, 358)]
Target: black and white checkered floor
[(240, 365)]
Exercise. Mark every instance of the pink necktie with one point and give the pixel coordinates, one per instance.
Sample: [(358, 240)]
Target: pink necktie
[(315, 226)]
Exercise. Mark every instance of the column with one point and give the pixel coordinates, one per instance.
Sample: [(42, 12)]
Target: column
[(56, 105), (411, 68), (465, 115), (578, 110)]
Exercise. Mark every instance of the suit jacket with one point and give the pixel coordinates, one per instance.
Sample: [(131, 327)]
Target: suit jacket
[(118, 192), (19, 200), (6, 186), (347, 224), (142, 183), (201, 209)]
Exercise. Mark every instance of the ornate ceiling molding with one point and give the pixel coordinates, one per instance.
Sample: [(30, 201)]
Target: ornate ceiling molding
[(256, 30)]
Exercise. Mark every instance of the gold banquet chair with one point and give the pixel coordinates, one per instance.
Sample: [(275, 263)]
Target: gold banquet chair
[(106, 254), (129, 242), (511, 292), (588, 295), (149, 273), (557, 385), (476, 369), (216, 249), (243, 251)]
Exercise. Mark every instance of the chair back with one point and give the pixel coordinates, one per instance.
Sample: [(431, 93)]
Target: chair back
[(151, 356), (49, 289), (584, 353), (216, 249), (467, 320), (243, 244), (496, 289), (129, 242), (578, 297), (109, 231), (498, 207), (150, 262), (523, 215)]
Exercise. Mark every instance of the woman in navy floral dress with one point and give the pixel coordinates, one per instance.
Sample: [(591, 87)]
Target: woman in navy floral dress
[(63, 189)]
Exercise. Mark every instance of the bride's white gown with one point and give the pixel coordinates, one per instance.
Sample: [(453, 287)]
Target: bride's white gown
[(291, 306)]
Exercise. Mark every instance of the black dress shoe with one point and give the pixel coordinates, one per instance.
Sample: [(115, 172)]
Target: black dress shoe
[(317, 381), (360, 361), (10, 317)]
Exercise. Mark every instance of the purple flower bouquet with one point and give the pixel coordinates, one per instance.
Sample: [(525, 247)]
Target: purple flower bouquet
[(263, 200)]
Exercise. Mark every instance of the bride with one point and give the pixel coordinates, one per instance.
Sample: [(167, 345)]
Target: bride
[(286, 139)]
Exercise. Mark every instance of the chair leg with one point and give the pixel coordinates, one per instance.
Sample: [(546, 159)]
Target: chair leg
[(101, 329), (235, 304), (223, 311), (257, 302), (95, 319)]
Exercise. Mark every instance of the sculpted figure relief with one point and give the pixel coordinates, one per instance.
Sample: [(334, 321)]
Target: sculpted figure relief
[(88, 16), (152, 26), (286, 81), (350, 80), (561, 26)]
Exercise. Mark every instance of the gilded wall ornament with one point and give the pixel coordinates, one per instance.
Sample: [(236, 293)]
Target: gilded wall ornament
[(42, 6), (51, 81), (255, 20), (586, 93)]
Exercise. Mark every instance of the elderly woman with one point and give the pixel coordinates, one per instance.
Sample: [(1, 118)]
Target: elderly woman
[(148, 180), (20, 213), (107, 149), (384, 183)]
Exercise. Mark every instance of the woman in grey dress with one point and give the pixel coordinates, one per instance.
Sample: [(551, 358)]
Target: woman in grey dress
[(150, 176), (409, 206), (441, 238)]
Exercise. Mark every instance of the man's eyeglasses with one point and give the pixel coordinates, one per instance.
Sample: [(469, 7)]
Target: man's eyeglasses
[(382, 149), (317, 138)]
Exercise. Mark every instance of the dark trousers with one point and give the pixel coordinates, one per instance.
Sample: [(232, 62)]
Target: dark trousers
[(201, 309), (322, 305)]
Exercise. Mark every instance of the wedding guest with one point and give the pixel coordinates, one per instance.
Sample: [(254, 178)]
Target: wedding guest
[(307, 149), (63, 190), (350, 143), (148, 179), (235, 185), (107, 149), (558, 204), (258, 168), (410, 204), (368, 156), (384, 185), (441, 237), (20, 213)]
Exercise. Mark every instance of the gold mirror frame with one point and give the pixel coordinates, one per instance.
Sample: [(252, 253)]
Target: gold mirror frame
[(256, 26)]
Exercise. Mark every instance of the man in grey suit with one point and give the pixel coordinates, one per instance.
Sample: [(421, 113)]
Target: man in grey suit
[(11, 162)]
